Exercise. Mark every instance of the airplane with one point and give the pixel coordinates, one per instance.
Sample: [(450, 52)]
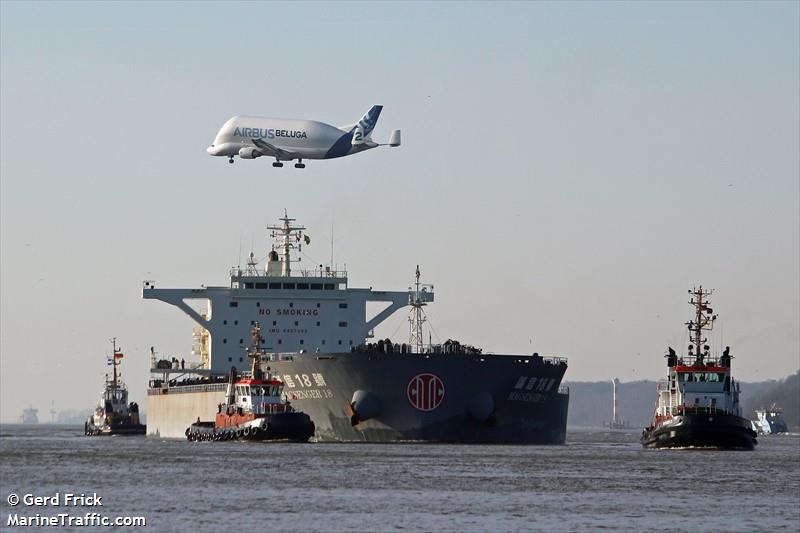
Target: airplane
[(289, 139)]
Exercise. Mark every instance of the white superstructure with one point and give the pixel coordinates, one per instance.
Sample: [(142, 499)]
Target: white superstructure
[(298, 310)]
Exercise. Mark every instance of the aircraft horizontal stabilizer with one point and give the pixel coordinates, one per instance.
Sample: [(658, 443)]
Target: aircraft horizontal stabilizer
[(394, 138)]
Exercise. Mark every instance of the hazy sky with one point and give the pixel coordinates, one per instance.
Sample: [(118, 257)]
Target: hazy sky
[(568, 172)]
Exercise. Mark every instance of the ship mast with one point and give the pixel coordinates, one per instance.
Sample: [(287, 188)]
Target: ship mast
[(115, 351), (255, 352), (416, 317), (287, 236), (704, 321)]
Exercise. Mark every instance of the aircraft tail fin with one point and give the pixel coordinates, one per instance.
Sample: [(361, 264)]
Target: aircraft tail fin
[(364, 127)]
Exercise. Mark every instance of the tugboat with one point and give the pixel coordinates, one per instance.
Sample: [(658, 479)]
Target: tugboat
[(114, 416), (698, 404), (771, 421), (253, 408)]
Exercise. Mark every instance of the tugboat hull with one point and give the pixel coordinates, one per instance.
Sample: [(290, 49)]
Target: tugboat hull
[(294, 426), (114, 429), (701, 430)]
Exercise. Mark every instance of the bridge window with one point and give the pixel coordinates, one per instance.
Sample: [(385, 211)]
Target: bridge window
[(296, 323), (342, 306), (225, 322), (248, 285), (261, 285), (289, 286), (323, 341), (274, 322), (318, 322), (291, 304), (302, 285), (329, 286), (241, 341), (274, 285), (301, 341), (235, 322), (316, 286), (224, 341), (258, 304), (233, 304), (280, 341), (230, 359), (340, 342), (343, 324), (317, 305)]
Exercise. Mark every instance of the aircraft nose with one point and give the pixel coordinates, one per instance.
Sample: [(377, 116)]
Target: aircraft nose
[(211, 150)]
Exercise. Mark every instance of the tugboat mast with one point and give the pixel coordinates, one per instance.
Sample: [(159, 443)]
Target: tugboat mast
[(255, 352), (702, 322), (116, 351)]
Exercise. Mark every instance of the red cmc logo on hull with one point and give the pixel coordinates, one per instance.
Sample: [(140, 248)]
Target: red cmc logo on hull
[(425, 392)]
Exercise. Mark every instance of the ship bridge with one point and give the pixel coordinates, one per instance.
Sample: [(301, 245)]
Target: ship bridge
[(303, 310)]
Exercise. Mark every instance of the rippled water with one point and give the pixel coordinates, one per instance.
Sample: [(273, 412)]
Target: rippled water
[(599, 480)]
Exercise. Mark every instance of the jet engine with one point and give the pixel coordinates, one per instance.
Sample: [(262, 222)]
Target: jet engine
[(248, 152)]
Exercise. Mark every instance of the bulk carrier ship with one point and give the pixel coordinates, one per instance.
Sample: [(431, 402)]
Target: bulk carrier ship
[(319, 342)]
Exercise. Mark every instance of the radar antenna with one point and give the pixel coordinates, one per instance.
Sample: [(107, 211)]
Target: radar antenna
[(417, 315), (288, 237)]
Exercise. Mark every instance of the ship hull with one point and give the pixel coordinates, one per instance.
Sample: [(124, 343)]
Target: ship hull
[(390, 397), (701, 430), (90, 430)]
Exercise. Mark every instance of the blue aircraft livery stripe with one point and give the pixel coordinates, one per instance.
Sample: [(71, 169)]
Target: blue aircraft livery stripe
[(369, 120), (342, 146)]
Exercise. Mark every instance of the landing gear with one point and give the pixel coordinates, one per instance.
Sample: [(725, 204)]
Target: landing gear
[(277, 164), (299, 164), (230, 160)]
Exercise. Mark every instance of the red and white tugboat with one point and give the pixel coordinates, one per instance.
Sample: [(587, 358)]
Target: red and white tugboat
[(114, 415), (698, 404), (254, 408)]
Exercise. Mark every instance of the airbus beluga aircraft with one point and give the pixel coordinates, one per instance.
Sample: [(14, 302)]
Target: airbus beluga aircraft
[(288, 139)]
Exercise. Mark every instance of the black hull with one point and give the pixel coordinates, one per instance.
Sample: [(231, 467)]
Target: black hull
[(293, 427), (115, 429), (367, 397), (706, 429)]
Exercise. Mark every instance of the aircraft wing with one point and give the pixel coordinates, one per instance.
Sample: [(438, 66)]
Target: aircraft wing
[(273, 151)]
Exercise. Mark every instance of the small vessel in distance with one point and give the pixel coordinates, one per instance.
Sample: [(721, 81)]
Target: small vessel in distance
[(29, 416), (113, 415), (253, 407), (771, 421), (698, 404)]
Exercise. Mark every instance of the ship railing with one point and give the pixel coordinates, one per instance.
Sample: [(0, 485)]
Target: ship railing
[(269, 408), (700, 409), (301, 273), (181, 389)]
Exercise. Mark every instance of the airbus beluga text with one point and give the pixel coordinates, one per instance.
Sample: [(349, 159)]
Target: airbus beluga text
[(288, 139)]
